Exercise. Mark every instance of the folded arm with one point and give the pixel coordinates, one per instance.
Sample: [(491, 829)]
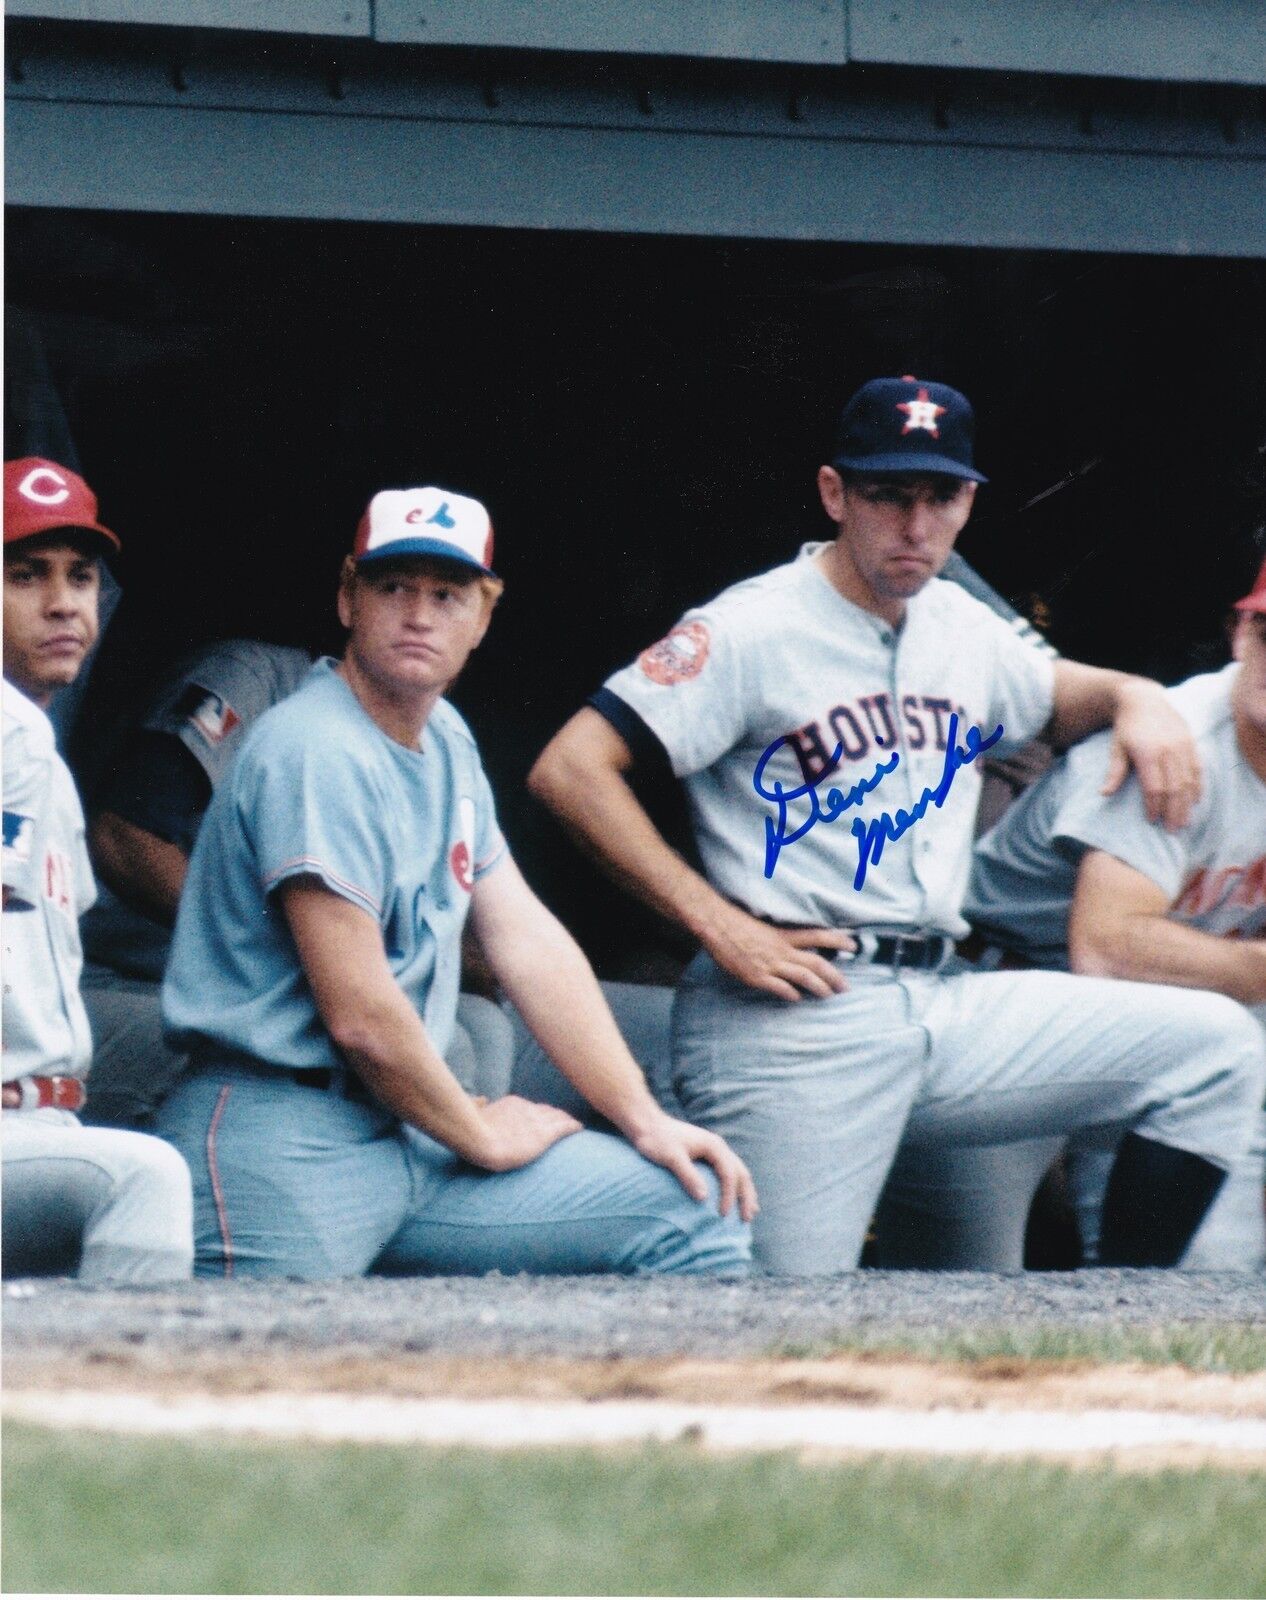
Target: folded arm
[(1149, 735), (1118, 928), (145, 871)]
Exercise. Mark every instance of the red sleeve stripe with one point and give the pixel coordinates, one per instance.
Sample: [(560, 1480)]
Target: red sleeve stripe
[(298, 864)]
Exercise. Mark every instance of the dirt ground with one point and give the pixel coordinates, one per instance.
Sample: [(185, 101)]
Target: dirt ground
[(855, 1381)]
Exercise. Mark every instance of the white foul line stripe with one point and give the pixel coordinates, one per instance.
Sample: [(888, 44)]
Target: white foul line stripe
[(506, 1424)]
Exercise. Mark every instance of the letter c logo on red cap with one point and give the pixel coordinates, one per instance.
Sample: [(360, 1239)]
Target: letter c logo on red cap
[(30, 487)]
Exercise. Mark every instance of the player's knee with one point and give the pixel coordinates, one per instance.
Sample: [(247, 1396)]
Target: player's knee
[(694, 1237), (159, 1174), (1241, 1036)]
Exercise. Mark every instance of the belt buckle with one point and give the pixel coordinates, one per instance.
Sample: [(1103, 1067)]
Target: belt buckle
[(867, 945)]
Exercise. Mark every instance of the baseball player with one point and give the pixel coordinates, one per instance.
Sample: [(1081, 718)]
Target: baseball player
[(827, 718), (1072, 879), (116, 1205), (314, 973), (146, 820)]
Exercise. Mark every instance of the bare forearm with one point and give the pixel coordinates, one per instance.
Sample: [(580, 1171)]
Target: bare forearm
[(1155, 949), (580, 776), (143, 870), (598, 808), (1090, 698), (383, 1040), (553, 986)]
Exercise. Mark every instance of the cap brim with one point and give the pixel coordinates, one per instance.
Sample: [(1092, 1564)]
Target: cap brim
[(437, 548), (900, 462), (109, 543)]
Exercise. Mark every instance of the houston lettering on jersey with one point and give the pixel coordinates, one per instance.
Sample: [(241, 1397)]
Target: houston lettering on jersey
[(855, 729)]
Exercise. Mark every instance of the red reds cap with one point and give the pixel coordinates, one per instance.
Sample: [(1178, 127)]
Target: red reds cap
[(1256, 600), (907, 425), (425, 522), (42, 497)]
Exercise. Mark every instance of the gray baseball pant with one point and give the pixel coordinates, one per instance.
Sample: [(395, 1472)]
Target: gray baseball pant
[(816, 1095), (107, 1205)]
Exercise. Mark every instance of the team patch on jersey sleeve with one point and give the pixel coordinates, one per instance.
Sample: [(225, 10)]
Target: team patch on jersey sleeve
[(19, 830), (461, 858), (679, 657), (210, 714)]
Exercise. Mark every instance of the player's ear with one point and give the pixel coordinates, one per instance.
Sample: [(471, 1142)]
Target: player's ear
[(346, 580), (1239, 634), (831, 493)]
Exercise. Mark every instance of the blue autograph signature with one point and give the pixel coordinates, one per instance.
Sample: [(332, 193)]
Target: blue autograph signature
[(871, 836)]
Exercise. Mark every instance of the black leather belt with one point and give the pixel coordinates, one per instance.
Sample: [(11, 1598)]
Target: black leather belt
[(339, 1080), (927, 954)]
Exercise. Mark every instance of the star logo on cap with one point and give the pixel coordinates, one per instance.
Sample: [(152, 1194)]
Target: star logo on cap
[(921, 413)]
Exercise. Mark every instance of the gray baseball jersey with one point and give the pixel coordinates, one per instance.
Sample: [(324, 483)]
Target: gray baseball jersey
[(782, 681), (1213, 871), (208, 702), (49, 884), (214, 695)]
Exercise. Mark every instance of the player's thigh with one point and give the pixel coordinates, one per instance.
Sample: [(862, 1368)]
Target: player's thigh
[(642, 1012), (1029, 1054), (960, 1208), (813, 1094), (50, 1191), (287, 1180), (481, 1055), (110, 1203), (589, 1204)]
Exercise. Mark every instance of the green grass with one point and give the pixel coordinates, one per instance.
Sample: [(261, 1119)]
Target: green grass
[(97, 1512), (1204, 1347)]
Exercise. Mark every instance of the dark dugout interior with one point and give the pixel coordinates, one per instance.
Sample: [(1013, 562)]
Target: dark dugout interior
[(643, 416)]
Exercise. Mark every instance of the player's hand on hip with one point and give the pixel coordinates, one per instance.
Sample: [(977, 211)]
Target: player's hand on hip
[(786, 962), (677, 1145), (1150, 736), (518, 1131)]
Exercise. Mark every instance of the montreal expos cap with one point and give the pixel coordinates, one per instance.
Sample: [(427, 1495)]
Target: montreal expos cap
[(425, 522), (907, 425), (1256, 600), (42, 497)]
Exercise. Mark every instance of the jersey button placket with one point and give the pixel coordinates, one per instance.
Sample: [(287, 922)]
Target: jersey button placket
[(893, 640)]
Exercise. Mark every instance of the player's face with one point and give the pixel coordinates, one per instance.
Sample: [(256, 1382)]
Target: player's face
[(1249, 692), (51, 588), (895, 533), (412, 624)]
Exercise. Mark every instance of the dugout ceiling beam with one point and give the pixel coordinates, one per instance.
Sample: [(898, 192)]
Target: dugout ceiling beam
[(1175, 41), (180, 120)]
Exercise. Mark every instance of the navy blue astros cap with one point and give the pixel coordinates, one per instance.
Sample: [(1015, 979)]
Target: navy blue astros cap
[(907, 425)]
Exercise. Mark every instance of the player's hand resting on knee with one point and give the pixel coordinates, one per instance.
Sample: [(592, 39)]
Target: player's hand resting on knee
[(781, 961), (518, 1131), (677, 1145)]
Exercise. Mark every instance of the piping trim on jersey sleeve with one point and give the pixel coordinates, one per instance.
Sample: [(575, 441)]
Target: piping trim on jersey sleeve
[(301, 865), (641, 738)]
